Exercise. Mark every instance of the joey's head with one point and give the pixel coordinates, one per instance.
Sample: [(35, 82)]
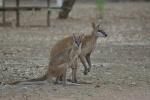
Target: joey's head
[(78, 40), (98, 31)]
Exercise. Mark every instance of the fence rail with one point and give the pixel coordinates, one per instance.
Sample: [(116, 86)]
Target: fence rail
[(19, 8)]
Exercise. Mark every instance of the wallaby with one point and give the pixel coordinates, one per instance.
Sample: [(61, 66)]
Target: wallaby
[(88, 45), (58, 64)]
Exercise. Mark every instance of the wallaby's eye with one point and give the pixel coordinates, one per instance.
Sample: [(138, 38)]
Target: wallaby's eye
[(76, 41), (99, 30), (79, 41)]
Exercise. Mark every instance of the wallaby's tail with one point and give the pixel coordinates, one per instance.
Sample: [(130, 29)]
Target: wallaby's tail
[(43, 78)]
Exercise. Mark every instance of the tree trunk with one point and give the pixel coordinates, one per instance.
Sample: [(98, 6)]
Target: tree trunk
[(67, 6)]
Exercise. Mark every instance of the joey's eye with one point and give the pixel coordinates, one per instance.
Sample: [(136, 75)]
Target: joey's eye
[(76, 41)]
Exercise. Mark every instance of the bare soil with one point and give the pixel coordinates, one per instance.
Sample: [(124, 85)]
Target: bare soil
[(121, 62)]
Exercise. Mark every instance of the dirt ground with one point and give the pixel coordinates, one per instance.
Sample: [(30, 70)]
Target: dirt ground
[(121, 62)]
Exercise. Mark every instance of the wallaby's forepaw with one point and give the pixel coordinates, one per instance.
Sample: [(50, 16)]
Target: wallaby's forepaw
[(89, 69), (86, 72)]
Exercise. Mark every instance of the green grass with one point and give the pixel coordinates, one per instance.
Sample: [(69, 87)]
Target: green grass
[(100, 7), (86, 92)]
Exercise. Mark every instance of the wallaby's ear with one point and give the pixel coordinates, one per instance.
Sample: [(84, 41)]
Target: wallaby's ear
[(82, 36), (93, 25), (98, 25), (74, 38)]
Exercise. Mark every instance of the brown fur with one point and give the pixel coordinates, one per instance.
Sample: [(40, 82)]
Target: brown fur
[(88, 45)]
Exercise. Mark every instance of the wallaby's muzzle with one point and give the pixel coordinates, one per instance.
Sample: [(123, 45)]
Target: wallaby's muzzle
[(104, 34)]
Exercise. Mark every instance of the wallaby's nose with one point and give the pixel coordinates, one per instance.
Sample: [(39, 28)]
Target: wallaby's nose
[(104, 34), (79, 44)]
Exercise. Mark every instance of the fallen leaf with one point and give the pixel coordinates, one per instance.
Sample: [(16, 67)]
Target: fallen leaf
[(97, 86)]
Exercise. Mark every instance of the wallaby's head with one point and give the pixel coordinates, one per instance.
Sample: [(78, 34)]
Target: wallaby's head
[(77, 40), (98, 31)]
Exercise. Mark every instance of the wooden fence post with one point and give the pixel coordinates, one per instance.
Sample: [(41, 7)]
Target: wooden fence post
[(3, 5), (17, 13), (48, 13)]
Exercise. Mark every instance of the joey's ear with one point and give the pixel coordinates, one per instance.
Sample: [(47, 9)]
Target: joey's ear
[(74, 38), (93, 25)]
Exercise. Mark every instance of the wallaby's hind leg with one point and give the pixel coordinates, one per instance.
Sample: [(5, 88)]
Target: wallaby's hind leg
[(88, 59), (68, 83), (74, 71), (74, 74), (61, 78), (83, 61), (58, 80)]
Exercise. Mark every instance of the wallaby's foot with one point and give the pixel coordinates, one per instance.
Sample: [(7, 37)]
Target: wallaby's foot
[(71, 84), (73, 81), (86, 71), (69, 80), (57, 82), (89, 69)]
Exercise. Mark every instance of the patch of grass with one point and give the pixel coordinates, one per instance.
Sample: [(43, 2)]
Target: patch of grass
[(133, 80), (105, 82), (100, 7), (86, 92)]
